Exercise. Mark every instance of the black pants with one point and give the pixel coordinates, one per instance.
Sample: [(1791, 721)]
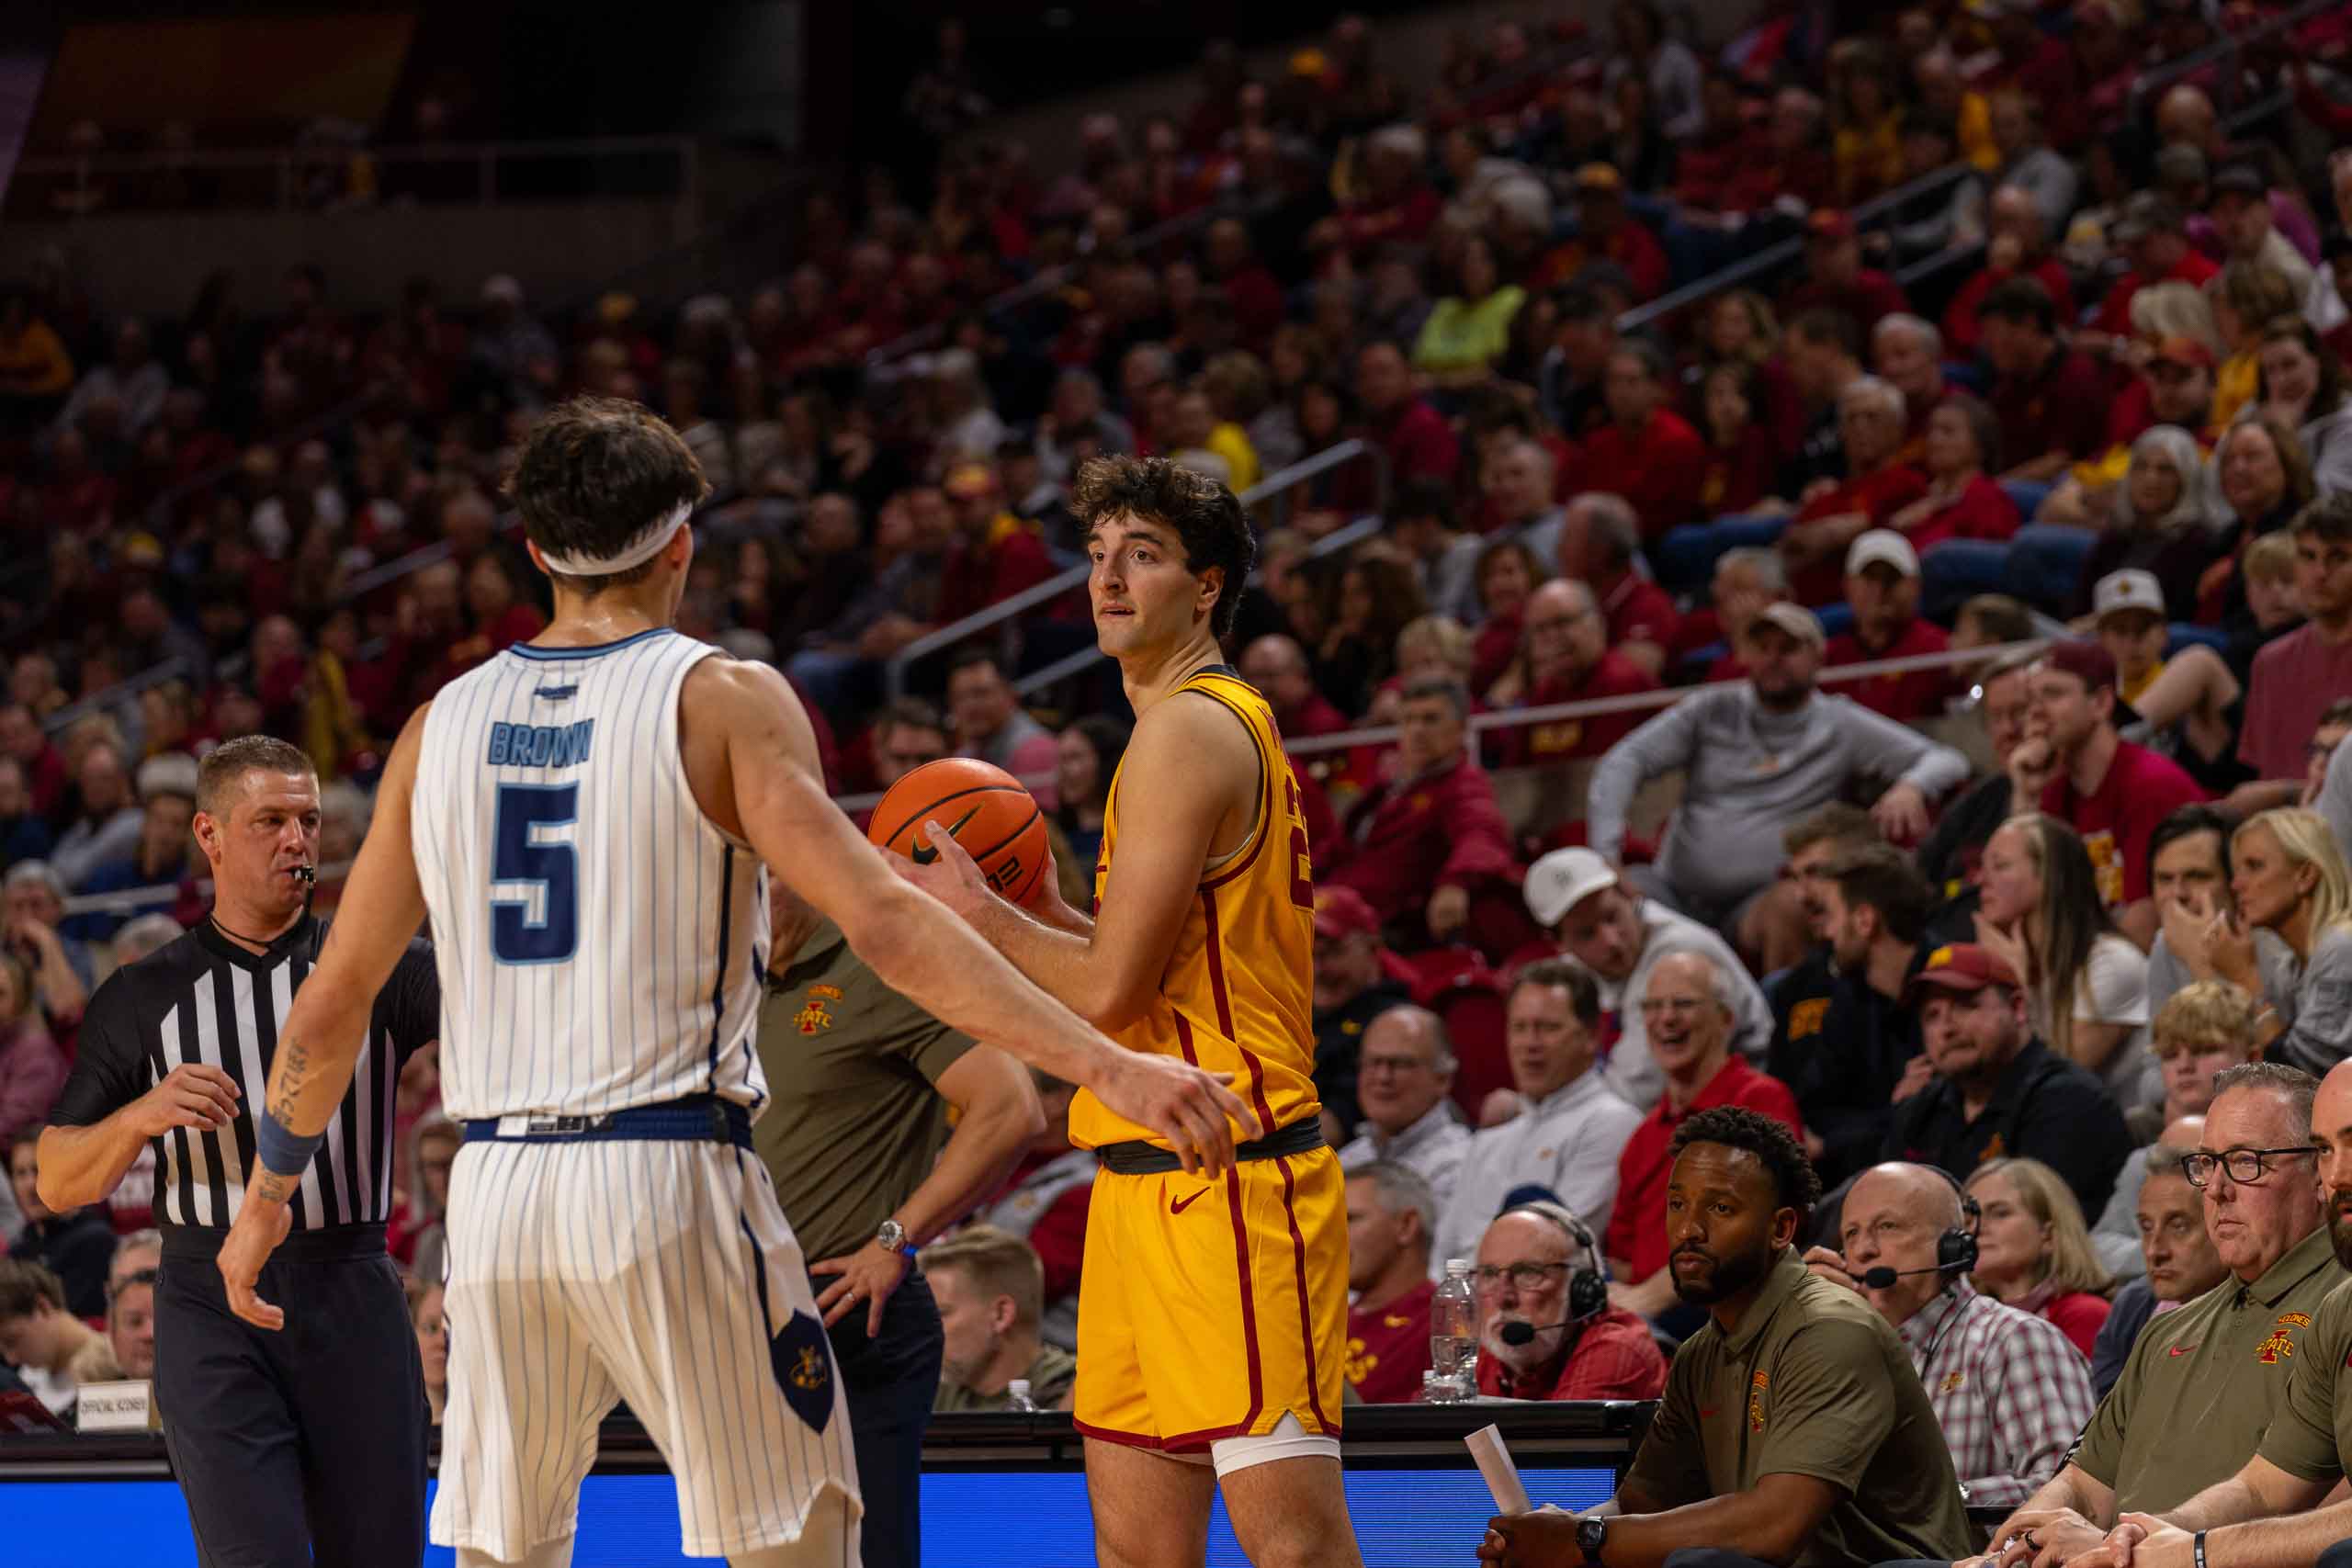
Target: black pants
[(308, 1439), (891, 1380)]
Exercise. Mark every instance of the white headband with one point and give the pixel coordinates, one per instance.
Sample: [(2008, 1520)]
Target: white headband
[(636, 552)]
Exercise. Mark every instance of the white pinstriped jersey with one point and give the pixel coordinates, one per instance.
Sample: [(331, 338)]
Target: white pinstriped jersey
[(599, 939)]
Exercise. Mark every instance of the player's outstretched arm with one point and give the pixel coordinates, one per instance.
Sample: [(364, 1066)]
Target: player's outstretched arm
[(752, 759), (1189, 768), (319, 1044)]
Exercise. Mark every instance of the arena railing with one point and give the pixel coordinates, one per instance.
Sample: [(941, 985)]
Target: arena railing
[(1779, 254), (2230, 49), (281, 174), (135, 898), (1554, 713), (1274, 489)]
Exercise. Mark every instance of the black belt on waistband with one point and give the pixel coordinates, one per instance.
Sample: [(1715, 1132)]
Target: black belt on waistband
[(329, 1244), (697, 1119), (1135, 1157)]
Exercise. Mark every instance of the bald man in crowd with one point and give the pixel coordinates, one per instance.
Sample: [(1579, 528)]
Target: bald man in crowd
[(2008, 1388)]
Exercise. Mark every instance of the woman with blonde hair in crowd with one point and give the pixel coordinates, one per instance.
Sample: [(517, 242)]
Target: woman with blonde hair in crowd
[(431, 1325), (2243, 296), (2288, 875), (2033, 1251), (2087, 985)]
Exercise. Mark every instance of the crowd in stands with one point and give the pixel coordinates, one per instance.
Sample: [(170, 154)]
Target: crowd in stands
[(1985, 933)]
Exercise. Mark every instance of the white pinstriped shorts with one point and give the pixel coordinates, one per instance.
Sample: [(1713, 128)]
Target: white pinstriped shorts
[(662, 1273)]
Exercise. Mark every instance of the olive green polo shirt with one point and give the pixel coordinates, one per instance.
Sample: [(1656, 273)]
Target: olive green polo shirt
[(1815, 1383), (2311, 1436), (855, 1124), (2203, 1384), (1050, 1377)]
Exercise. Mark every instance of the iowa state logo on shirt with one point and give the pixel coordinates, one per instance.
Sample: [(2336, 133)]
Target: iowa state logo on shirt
[(1756, 1387), (2280, 1345), (813, 1016), (1804, 1019)]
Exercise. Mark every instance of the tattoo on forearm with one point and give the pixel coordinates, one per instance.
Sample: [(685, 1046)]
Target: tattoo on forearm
[(288, 1079)]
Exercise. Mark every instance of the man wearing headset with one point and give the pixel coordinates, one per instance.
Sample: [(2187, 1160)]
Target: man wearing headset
[(2008, 1388), (1545, 1327)]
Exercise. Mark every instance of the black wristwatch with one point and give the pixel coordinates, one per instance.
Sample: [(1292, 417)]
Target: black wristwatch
[(1593, 1534)]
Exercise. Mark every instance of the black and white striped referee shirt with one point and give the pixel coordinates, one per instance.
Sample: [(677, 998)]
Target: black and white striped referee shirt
[(203, 999)]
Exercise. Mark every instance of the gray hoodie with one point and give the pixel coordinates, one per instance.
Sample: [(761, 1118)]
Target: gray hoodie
[(1747, 775)]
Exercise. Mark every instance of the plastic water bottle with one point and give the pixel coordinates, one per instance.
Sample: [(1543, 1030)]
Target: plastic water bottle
[(1453, 1338), (1017, 1394)]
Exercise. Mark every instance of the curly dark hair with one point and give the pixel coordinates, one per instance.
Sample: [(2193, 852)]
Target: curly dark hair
[(594, 474), (1794, 1181), (1206, 518)]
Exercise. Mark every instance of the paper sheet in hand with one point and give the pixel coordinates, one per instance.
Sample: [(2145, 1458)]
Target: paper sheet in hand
[(1502, 1476)]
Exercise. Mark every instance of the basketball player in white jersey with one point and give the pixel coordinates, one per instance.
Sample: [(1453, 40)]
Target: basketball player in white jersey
[(585, 818)]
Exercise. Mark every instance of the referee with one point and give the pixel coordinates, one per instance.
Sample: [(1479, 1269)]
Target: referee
[(865, 1170), (312, 1439)]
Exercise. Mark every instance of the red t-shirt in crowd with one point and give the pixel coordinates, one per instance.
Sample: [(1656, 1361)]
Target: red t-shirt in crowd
[(1877, 495), (1638, 610), (1612, 675), (2295, 677), (1612, 1357), (1658, 468), (1419, 444), (1963, 331), (2079, 1315), (1388, 1348), (2062, 408), (1738, 476), (2140, 790), (1637, 1225), (1920, 693), (1984, 511), (1871, 296)]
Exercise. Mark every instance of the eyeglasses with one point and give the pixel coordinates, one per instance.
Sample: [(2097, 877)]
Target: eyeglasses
[(1522, 1276), (1397, 1065), (2246, 1167)]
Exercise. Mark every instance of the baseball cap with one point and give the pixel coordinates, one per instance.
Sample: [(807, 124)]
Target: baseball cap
[(2084, 659), (1828, 223), (1960, 966), (1342, 912), (1599, 178), (2128, 589), (1882, 546), (2180, 350), (1797, 621), (967, 479), (2148, 212), (2240, 179), (1561, 880)]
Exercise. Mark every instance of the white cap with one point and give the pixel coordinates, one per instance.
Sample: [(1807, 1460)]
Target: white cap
[(1797, 621), (1561, 881), (1883, 545), (501, 287), (2128, 589)]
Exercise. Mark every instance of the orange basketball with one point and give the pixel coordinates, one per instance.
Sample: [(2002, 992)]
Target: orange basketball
[(983, 807)]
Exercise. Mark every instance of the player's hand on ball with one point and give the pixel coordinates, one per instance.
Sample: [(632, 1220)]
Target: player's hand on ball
[(259, 1227), (1193, 1110), (194, 1094), (952, 876)]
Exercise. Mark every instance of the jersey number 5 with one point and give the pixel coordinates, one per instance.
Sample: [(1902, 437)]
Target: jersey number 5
[(535, 874)]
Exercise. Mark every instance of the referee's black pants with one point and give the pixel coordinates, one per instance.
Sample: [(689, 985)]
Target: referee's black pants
[(306, 1446), (891, 1379)]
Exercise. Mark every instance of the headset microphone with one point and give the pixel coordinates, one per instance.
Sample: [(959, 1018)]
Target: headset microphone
[(1515, 1333), (1880, 1277)]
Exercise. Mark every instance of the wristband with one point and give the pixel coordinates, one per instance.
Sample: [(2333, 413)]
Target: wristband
[(283, 1151), (2197, 1544)]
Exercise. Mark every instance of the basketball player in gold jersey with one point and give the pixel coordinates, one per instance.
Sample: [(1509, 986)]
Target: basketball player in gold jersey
[(1211, 1312)]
